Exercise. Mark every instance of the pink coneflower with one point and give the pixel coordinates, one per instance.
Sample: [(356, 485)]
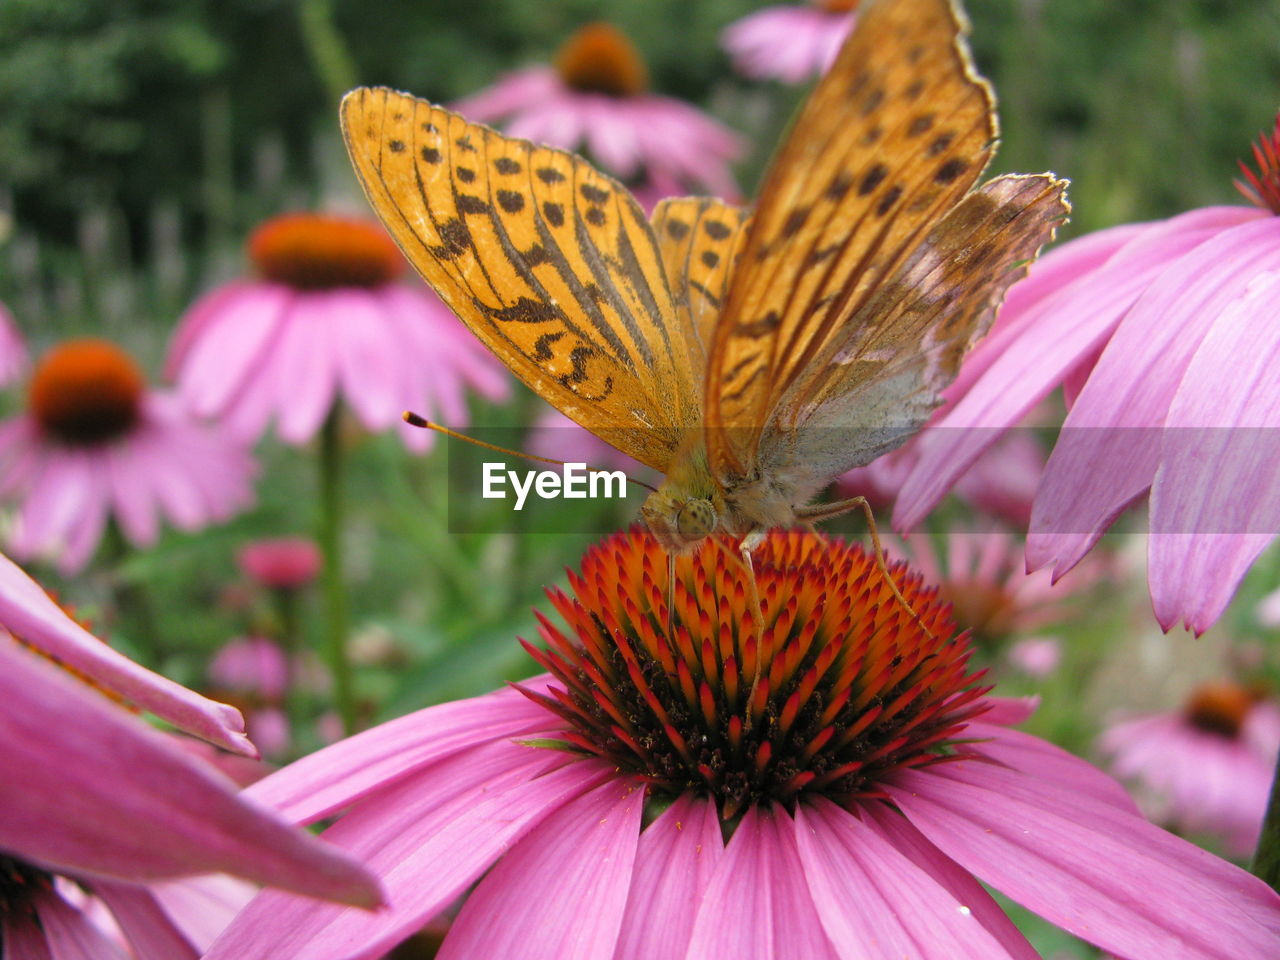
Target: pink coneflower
[(1206, 768), (1163, 337), (790, 43), (90, 792), (596, 100), (95, 443), (864, 778), (327, 319), (281, 563), (13, 349)]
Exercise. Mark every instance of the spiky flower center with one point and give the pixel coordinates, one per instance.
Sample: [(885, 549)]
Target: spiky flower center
[(838, 6), (316, 252), (599, 58), (1263, 187), (20, 884), (851, 685), (86, 392), (1220, 708)]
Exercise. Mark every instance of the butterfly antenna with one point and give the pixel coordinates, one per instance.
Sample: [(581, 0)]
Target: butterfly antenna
[(414, 420)]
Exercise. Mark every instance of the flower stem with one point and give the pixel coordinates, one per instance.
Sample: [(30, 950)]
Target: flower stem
[(335, 595), (1266, 859), (329, 54)]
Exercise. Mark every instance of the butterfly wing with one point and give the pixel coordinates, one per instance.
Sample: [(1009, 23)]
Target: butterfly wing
[(876, 383), (699, 238), (894, 135), (549, 262)]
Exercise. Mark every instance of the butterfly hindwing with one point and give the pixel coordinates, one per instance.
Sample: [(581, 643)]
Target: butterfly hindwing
[(875, 385), (699, 238), (549, 262), (893, 137)]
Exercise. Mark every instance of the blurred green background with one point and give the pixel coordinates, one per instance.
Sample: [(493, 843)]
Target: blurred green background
[(151, 134)]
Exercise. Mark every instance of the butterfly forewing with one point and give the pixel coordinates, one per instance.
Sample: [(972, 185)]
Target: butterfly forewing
[(894, 135), (876, 384), (549, 262), (699, 238)]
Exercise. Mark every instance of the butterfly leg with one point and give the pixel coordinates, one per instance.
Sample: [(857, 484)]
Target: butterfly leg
[(827, 511), (745, 548)]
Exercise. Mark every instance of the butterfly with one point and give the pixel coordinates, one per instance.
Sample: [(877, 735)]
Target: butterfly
[(751, 357)]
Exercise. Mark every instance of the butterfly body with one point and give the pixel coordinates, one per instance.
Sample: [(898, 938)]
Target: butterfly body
[(750, 357)]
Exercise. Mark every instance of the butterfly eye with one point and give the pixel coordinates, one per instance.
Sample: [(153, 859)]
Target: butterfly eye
[(697, 518)]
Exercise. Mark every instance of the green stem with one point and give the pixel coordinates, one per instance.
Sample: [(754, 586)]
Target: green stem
[(1266, 859), (335, 594), (288, 610), (329, 54)]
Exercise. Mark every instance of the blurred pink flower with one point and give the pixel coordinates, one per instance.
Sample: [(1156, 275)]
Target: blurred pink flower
[(790, 43), (1035, 656), (251, 665), (95, 442), (846, 830), (89, 791), (1206, 768), (1163, 338), (282, 563), (981, 573), (13, 349), (596, 96), (327, 320)]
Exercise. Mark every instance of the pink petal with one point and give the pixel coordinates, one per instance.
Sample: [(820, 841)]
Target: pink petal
[(1109, 447), (150, 931), (66, 804), (1215, 505), (304, 366), (368, 356), (1009, 711), (676, 858), (70, 935), (1040, 347), (1046, 762), (22, 937), (203, 906), (560, 893), (429, 839), (1096, 871), (324, 782), (758, 906), (27, 611), (874, 898), (219, 363)]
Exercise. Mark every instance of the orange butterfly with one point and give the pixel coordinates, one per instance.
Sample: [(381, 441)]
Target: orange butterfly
[(750, 357)]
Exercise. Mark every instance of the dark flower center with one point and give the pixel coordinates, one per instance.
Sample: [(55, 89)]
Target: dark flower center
[(20, 883), (313, 252), (599, 58), (86, 392), (1220, 708), (851, 685), (1262, 188), (838, 6)]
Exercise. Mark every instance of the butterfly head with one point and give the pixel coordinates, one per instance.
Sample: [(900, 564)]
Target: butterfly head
[(680, 520)]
